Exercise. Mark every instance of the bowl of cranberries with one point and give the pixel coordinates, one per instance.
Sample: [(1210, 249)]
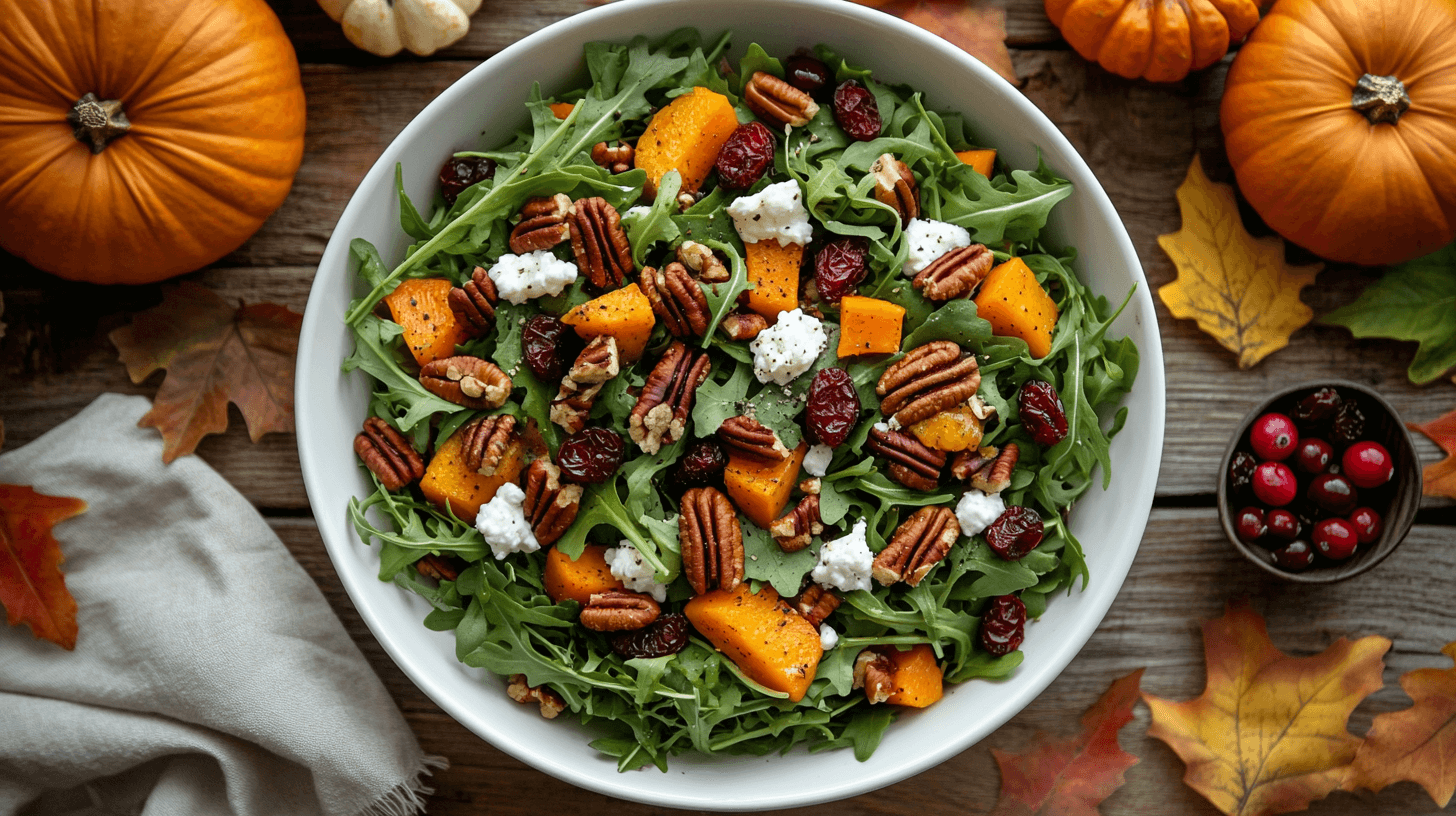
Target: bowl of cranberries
[(1320, 484)]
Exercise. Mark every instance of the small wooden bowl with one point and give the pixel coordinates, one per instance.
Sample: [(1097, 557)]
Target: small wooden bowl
[(1403, 491)]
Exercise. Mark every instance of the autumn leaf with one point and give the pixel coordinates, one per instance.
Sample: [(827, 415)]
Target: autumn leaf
[(1268, 733), (214, 353), (1440, 479), (1416, 301), (32, 588), (1236, 286), (1417, 744), (1071, 777), (975, 26)]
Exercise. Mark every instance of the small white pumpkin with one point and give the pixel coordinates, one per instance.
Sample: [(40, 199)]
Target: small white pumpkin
[(383, 27)]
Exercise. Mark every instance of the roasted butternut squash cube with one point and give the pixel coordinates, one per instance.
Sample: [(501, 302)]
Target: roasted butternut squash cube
[(449, 482), (769, 642), (917, 681), (774, 271), (624, 313), (954, 429), (869, 326), (1014, 303), (760, 490), (982, 161), (562, 109), (422, 307), (686, 136), (580, 579)]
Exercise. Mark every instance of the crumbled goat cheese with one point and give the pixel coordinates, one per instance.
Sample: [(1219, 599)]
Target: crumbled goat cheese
[(976, 511), (504, 525), (775, 213), (893, 423), (634, 572), (638, 210), (828, 638), (519, 278), (882, 427), (816, 461), (788, 348), (845, 562), (929, 240)]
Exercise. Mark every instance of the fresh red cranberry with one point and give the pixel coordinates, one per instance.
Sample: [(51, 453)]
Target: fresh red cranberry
[(590, 455), (1274, 484), (1314, 455), (1294, 556), (839, 267), (1250, 524), (746, 156), (1283, 524), (856, 111), (1336, 538), (1317, 406), (1368, 464), (806, 73), (1273, 437), (1241, 471), (1041, 412), (1332, 493), (1004, 625), (458, 173), (1015, 533), (1367, 523), (1349, 424)]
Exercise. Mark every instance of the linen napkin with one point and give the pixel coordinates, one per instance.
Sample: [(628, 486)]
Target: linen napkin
[(209, 676)]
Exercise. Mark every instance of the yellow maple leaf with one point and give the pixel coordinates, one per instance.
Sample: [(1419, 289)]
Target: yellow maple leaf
[(1236, 286), (1268, 734)]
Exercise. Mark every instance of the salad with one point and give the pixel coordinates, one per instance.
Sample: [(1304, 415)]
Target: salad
[(733, 406)]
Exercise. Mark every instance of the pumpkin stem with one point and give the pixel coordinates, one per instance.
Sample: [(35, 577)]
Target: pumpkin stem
[(97, 121), (1380, 98)]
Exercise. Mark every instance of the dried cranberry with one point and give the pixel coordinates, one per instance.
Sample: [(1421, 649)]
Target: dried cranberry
[(1042, 414), (1250, 524), (1313, 455), (746, 156), (1003, 627), (590, 455), (856, 111), (806, 73), (1318, 406), (1273, 437), (1294, 556), (1283, 524), (702, 464), (833, 407), (664, 636), (839, 267), (1241, 471), (543, 347), (1015, 533), (1368, 464), (1336, 538), (1332, 493), (1349, 424), (1274, 484), (1367, 524), (459, 173)]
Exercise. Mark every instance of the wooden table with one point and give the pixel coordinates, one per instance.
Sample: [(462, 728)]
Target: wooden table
[(1138, 138)]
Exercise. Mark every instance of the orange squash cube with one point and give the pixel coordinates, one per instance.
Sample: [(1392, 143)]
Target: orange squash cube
[(449, 482), (869, 326), (982, 161), (562, 109), (422, 307), (917, 681), (686, 136), (760, 490), (624, 313), (774, 271), (580, 579), (769, 642), (954, 429), (1014, 303)]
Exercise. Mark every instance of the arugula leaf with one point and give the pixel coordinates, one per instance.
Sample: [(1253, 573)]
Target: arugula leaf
[(656, 225), (763, 560), (1414, 301)]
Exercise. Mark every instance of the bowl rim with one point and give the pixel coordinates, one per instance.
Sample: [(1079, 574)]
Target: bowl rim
[(1391, 538), (319, 316)]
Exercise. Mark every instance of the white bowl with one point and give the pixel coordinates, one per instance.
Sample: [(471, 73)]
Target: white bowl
[(484, 108)]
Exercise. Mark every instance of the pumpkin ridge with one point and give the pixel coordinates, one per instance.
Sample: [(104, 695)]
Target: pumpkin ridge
[(219, 189), (159, 64), (25, 57), (209, 179)]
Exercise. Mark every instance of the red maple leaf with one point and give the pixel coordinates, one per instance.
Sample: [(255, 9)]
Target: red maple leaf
[(1440, 478), (32, 588)]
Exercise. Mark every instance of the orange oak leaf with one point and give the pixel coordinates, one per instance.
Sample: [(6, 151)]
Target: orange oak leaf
[(1268, 735), (32, 588), (1440, 478), (1417, 744), (1071, 777), (214, 353), (975, 26), (1236, 286)]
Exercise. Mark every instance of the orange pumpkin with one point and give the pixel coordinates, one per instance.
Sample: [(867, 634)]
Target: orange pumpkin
[(185, 129), (1159, 40), (1340, 122)]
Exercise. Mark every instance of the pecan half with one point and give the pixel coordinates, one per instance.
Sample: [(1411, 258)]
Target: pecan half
[(895, 187), (474, 303), (573, 403), (928, 380), (660, 416), (677, 299), (955, 274), (468, 381), (543, 224), (550, 506), (816, 603), (616, 157), (711, 540), (919, 543), (702, 261), (912, 464), (486, 441), (600, 245), (966, 463), (617, 610), (798, 527), (439, 567), (598, 362), (874, 672), (743, 325), (551, 702), (778, 101), (750, 437), (388, 454), (996, 476)]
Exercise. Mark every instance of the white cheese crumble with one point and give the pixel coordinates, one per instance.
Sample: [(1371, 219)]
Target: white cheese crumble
[(816, 461), (503, 523), (929, 240), (519, 278), (845, 562), (788, 348), (775, 213), (637, 211), (976, 510), (828, 638), (883, 427), (634, 572)]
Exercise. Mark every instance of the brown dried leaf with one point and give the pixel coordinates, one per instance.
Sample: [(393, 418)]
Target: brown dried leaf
[(975, 26), (32, 588), (1416, 744)]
